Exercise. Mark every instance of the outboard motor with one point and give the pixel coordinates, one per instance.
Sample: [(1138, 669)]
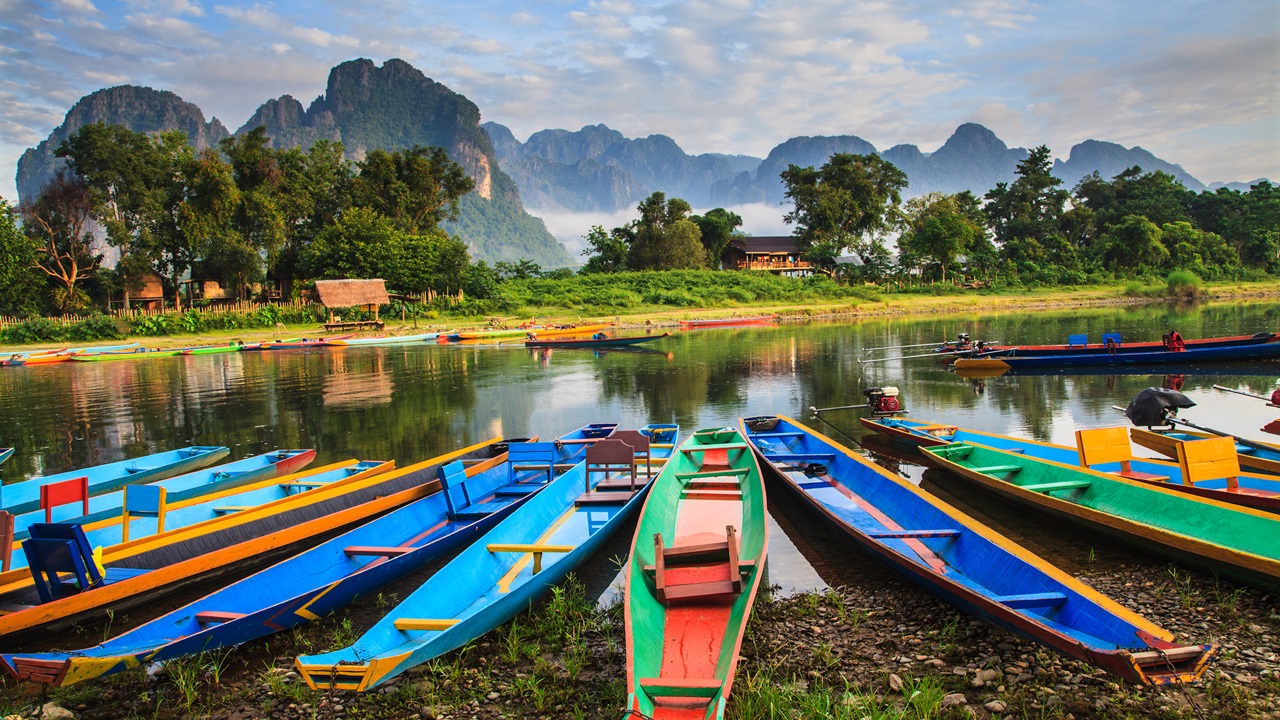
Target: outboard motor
[(883, 401), (1154, 406)]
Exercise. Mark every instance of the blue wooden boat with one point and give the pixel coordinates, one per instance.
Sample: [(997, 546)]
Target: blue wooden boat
[(206, 510), (603, 342), (276, 463), (321, 580), (5, 453), (498, 576), (1112, 343), (1192, 354), (1250, 490), (24, 496), (966, 563)]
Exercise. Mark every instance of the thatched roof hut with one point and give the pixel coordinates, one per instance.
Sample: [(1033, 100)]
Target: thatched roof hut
[(368, 294)]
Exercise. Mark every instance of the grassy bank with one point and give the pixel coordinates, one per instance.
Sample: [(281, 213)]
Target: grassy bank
[(949, 302)]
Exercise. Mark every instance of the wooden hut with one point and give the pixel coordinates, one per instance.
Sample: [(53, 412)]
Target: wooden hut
[(368, 295), (775, 254)]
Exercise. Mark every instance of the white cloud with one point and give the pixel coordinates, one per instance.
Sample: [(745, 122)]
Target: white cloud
[(972, 40)]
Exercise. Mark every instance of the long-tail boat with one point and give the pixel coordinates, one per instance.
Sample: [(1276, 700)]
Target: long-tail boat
[(500, 575), (24, 496), (964, 562), (74, 506), (1110, 453), (1111, 344), (141, 353), (1255, 454), (43, 357), (605, 342), (696, 561), (316, 582), (541, 330), (148, 512), (1213, 536), (725, 322), (214, 349), (295, 343), (1190, 355), (159, 566), (389, 339)]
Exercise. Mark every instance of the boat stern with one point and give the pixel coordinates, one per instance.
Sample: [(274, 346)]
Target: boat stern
[(347, 674), (60, 671), (1162, 663)]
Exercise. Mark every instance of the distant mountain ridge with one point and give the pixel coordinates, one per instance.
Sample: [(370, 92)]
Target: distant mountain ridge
[(364, 106), (598, 169)]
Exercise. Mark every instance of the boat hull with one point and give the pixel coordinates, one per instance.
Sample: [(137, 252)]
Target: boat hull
[(604, 343), (1260, 351), (965, 570)]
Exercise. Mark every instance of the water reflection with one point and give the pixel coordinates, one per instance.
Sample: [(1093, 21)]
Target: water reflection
[(409, 402)]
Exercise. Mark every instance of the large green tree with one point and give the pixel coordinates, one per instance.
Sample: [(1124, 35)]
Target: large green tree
[(417, 189), (1026, 216), (20, 282), (847, 204), (718, 228), (606, 251), (663, 236), (942, 227)]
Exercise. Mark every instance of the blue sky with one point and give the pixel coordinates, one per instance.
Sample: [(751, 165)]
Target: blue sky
[(1196, 83)]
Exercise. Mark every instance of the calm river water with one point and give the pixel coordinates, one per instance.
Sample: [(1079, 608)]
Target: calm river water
[(409, 403)]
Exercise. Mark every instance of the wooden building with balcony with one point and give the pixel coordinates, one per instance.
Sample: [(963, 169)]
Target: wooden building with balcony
[(776, 254)]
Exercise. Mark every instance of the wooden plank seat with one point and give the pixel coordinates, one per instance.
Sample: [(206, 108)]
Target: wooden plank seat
[(1210, 459), (1055, 486), (604, 498), (1032, 600), (777, 435), (611, 485), (423, 624), (223, 510), (793, 457), (375, 550), (518, 489), (1100, 446), (703, 493), (741, 473), (532, 548), (211, 617), (713, 446), (905, 534), (709, 556), (1174, 655), (688, 693), (997, 469)]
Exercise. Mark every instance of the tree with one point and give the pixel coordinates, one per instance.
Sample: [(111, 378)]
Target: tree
[(1026, 216), (520, 270), (848, 203), (19, 279), (432, 261), (417, 189), (942, 227), (1133, 243), (663, 238), (61, 220), (718, 227), (360, 244), (607, 251)]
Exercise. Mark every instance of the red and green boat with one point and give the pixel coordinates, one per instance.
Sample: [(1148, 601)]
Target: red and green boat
[(695, 565)]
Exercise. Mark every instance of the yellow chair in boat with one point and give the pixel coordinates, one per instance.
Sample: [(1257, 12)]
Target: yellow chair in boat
[(1101, 446), (1209, 459)]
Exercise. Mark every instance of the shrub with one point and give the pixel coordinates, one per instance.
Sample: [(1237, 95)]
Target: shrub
[(35, 330), (97, 327), (1185, 285)]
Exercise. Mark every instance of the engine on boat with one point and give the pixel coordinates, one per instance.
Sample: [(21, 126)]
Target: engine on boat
[(883, 401)]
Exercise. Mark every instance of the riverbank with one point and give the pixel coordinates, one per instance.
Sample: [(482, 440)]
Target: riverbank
[(902, 304)]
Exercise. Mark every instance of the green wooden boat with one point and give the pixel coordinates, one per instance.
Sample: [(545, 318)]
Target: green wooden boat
[(1214, 536), (214, 349), (695, 564)]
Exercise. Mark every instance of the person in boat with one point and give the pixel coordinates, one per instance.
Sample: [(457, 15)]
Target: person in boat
[(531, 335), (1174, 342), (1275, 394), (599, 336)]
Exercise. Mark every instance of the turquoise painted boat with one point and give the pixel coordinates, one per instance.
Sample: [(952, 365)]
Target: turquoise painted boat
[(24, 496), (273, 464), (318, 581), (1251, 490), (962, 561), (5, 453), (1213, 536), (498, 576), (214, 349), (109, 531)]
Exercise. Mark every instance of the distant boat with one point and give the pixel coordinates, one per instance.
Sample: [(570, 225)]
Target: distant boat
[(970, 565), (5, 453), (1225, 353), (389, 339), (24, 496), (605, 342), (214, 349), (541, 330), (721, 322), (295, 343)]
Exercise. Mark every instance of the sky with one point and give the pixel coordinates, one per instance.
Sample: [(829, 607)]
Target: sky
[(1196, 83)]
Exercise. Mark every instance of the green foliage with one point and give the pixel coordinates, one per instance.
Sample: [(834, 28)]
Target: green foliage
[(97, 327), (1024, 215), (850, 202), (607, 251), (35, 330), (20, 282), (664, 238), (1184, 285), (417, 188), (718, 228), (942, 227)]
